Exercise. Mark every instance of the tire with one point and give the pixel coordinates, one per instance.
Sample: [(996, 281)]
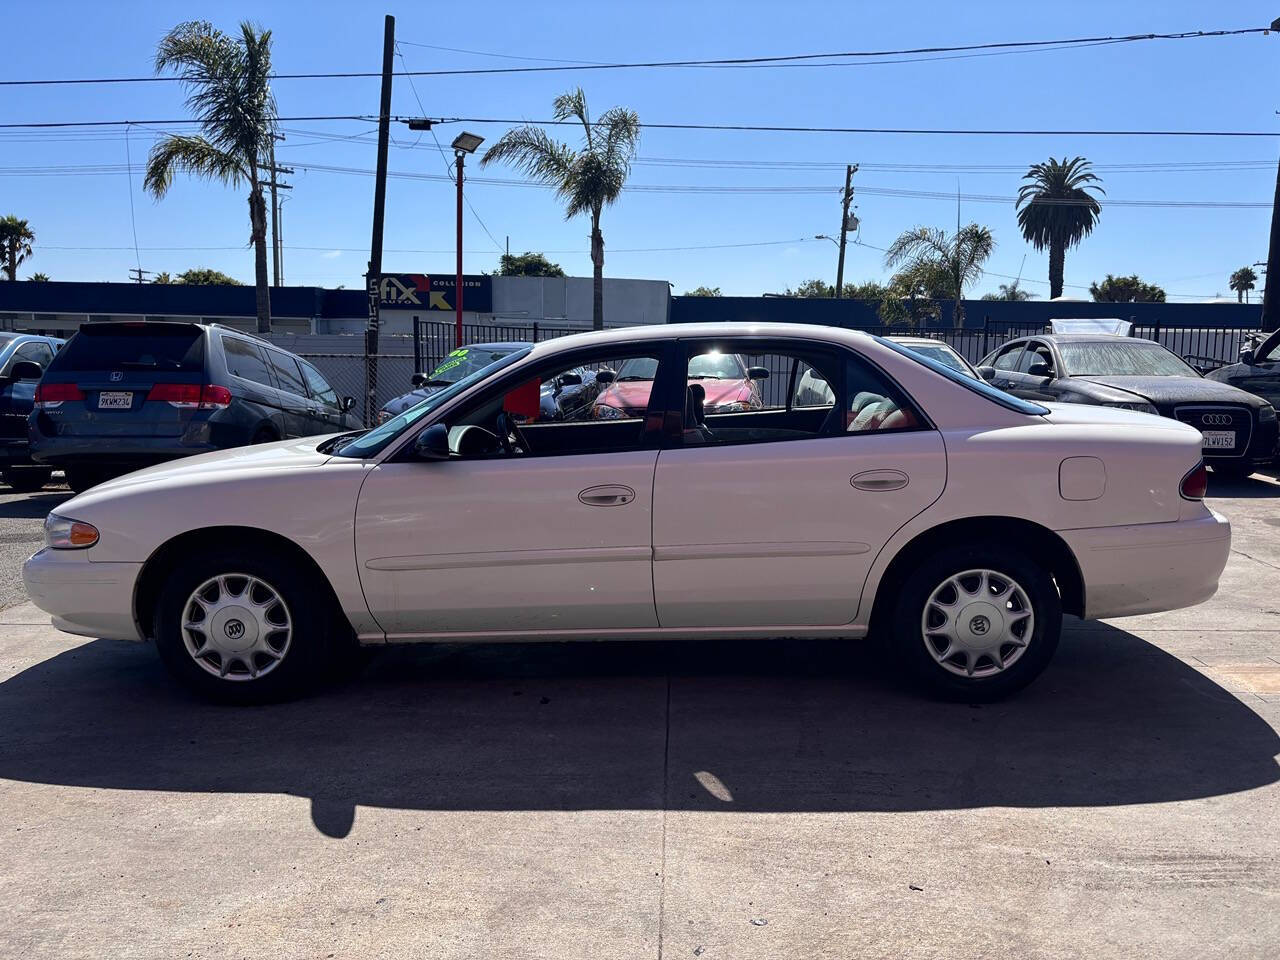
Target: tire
[(264, 435), (26, 479), (971, 673), (80, 479), (294, 636)]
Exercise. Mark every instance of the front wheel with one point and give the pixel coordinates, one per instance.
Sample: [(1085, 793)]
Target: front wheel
[(239, 628), (977, 623), (26, 479)]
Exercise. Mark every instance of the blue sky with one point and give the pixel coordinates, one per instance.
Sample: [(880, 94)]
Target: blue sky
[(1191, 84)]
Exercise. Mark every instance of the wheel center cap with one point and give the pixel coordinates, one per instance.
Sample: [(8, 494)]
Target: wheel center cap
[(979, 625), (233, 629)]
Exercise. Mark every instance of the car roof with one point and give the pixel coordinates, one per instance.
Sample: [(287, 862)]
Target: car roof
[(1085, 338), (701, 331)]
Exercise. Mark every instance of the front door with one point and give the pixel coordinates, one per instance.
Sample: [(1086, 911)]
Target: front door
[(772, 516), (540, 521)]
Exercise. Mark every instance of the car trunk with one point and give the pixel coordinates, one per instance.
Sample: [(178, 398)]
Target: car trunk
[(136, 380)]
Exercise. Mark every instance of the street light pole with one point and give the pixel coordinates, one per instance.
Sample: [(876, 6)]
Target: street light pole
[(463, 144)]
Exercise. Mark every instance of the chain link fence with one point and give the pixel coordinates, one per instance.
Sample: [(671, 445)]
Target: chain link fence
[(346, 374)]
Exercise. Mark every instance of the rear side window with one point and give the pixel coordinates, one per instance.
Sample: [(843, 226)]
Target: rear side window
[(245, 360), (287, 372), (141, 347)]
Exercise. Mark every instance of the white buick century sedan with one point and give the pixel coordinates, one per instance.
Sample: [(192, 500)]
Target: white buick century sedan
[(901, 499)]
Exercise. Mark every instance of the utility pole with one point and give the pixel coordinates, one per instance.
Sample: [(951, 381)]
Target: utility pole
[(373, 279), (137, 274), (1271, 291), (849, 171), (277, 252)]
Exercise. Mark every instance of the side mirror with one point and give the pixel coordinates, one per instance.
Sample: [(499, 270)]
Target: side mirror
[(346, 403), (1246, 357), (1039, 369), (26, 370), (606, 377), (432, 443), (418, 379), (987, 372), (570, 380), (757, 373)]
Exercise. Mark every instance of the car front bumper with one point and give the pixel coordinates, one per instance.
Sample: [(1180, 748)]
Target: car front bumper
[(84, 598), (1150, 567)]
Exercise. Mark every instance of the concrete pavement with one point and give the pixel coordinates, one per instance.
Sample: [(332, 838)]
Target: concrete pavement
[(774, 799)]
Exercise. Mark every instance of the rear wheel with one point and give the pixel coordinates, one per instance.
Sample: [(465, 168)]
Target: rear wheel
[(244, 628), (26, 479), (1232, 471), (977, 622), (264, 435)]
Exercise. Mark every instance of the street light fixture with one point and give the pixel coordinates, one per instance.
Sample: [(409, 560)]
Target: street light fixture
[(823, 236), (463, 144)]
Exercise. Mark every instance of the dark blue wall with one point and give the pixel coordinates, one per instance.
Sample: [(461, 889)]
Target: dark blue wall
[(863, 313), (176, 299)]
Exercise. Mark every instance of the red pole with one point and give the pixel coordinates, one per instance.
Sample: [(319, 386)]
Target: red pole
[(457, 289)]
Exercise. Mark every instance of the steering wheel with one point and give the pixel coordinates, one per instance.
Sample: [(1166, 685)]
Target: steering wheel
[(508, 429)]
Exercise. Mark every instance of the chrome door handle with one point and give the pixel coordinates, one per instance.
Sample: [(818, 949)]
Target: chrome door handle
[(607, 495), (877, 481)]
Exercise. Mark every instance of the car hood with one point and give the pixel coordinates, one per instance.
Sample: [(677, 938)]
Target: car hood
[(1168, 390), (724, 391)]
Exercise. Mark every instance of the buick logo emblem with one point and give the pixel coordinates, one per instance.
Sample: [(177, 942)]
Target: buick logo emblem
[(234, 629), (1216, 420), (117, 376), (979, 626)]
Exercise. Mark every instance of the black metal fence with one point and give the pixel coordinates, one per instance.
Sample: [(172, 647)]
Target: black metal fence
[(433, 339)]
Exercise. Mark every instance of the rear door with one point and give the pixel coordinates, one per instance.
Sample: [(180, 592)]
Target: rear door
[(251, 377), (300, 412), (124, 373)]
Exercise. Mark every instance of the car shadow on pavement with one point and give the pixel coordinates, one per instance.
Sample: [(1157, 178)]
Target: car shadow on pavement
[(36, 506), (774, 725)]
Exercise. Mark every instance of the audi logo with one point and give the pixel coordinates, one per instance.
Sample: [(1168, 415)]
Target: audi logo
[(1216, 420)]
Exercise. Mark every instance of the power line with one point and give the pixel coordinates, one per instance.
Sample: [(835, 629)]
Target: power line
[(720, 62), (325, 249)]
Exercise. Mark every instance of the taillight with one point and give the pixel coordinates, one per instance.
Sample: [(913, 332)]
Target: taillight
[(1195, 483), (50, 395), (191, 396)]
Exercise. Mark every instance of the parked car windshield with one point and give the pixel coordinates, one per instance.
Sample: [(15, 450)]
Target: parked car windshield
[(371, 442), (1131, 358), (142, 347), (638, 368), (977, 386), (465, 361), (716, 366)]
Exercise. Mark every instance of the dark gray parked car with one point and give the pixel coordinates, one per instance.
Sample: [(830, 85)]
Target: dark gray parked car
[(1257, 372), (120, 396), (23, 357), (1106, 370)]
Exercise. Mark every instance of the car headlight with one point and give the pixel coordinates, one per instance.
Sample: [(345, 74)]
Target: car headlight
[(605, 412), (1141, 406), (734, 406), (63, 533), (1266, 412)]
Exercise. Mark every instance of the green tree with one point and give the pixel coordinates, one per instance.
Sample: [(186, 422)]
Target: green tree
[(587, 179), (1010, 291), (229, 93), (1057, 211), (38, 278), (811, 288), (15, 244), (703, 292), (527, 264), (1130, 289), (1242, 281), (940, 263), (198, 276)]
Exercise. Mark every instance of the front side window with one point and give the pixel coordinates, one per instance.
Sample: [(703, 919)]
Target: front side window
[(1007, 358), (34, 351), (1034, 354), (318, 385)]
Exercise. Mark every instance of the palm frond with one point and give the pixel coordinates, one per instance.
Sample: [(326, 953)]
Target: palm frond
[(531, 150), (192, 155), (574, 104)]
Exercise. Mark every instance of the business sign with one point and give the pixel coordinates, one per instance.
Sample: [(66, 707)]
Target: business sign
[(422, 291)]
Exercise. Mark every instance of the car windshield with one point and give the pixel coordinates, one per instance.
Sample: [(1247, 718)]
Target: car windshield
[(638, 368), (980, 387), (371, 442), (465, 361), (1129, 358), (942, 353), (717, 366)]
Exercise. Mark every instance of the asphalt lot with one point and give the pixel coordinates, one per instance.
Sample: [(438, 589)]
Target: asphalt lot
[(773, 799)]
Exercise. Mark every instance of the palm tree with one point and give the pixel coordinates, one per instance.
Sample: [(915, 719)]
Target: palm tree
[(946, 263), (1010, 291), (15, 244), (587, 179), (1059, 210), (1242, 281), (230, 95)]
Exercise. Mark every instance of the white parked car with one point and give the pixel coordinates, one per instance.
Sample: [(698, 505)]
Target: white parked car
[(941, 351), (914, 502)]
